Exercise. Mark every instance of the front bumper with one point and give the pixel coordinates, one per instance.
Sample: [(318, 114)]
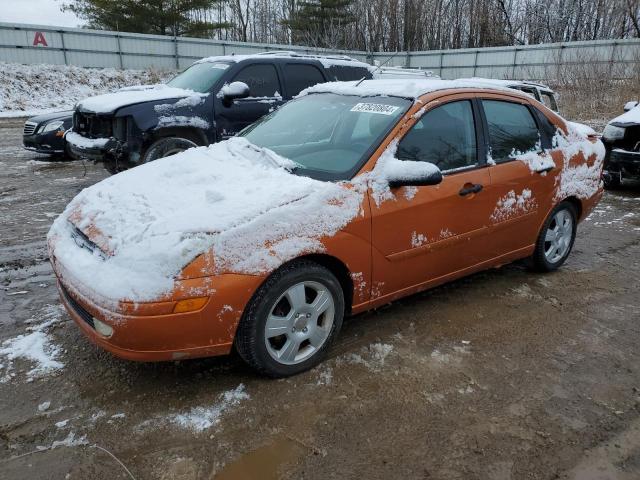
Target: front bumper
[(623, 162), (209, 331), (47, 143), (113, 149)]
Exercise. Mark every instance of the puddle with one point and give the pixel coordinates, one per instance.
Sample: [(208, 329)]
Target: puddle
[(262, 463)]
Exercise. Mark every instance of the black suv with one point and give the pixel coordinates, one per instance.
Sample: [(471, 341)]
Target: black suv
[(210, 101), (621, 137)]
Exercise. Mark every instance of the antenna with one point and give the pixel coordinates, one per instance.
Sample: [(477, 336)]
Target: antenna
[(378, 67)]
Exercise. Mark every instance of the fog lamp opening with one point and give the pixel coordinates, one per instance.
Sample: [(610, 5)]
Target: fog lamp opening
[(102, 328)]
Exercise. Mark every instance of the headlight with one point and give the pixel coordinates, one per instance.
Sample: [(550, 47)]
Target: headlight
[(51, 126), (613, 133)]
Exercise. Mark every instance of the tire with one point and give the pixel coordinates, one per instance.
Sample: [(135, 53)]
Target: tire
[(611, 180), (303, 322), (165, 147), (556, 238)]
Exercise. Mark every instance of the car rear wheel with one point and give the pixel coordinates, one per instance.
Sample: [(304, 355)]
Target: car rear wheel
[(556, 238), (291, 320), (165, 147)]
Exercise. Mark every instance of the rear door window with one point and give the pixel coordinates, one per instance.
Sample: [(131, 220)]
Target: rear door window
[(300, 76), (549, 101), (344, 73), (444, 136), (512, 129), (262, 80)]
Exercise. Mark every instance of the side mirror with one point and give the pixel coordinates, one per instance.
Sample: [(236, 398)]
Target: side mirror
[(232, 91), (413, 174), (630, 105)]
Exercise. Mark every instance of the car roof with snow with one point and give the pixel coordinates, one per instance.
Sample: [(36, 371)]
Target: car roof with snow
[(326, 60), (403, 88), (630, 117), (509, 83)]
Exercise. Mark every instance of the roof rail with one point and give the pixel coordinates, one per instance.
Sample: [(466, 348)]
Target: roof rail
[(289, 53)]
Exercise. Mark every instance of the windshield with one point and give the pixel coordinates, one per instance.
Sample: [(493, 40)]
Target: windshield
[(330, 136), (199, 77)]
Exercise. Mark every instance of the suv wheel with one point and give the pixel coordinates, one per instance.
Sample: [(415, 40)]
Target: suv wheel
[(165, 147), (556, 238), (611, 180), (291, 320)]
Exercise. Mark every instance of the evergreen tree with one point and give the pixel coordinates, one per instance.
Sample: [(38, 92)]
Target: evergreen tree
[(160, 17), (321, 23)]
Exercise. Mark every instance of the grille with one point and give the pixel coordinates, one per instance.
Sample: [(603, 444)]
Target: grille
[(29, 128), (91, 125), (79, 309)]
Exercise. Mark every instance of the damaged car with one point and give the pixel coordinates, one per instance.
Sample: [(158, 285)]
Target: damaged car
[(621, 137), (346, 198), (210, 101)]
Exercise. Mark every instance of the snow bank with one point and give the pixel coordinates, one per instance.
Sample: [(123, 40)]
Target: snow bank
[(33, 89), (110, 102), (232, 196)]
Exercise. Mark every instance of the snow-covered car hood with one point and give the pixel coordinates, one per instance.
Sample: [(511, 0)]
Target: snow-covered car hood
[(110, 102), (233, 199), (632, 117)]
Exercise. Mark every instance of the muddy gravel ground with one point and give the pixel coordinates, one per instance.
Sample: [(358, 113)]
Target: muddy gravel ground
[(507, 374)]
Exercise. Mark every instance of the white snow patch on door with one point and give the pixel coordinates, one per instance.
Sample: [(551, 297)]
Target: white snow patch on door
[(513, 205)]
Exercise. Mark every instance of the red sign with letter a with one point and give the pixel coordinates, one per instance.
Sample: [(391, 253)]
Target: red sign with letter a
[(39, 39)]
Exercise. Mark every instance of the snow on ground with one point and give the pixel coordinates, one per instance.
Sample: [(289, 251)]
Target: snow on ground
[(373, 357), (33, 89), (202, 418), (34, 346)]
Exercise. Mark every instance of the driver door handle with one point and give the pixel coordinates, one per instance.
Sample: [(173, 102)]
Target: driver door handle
[(470, 188)]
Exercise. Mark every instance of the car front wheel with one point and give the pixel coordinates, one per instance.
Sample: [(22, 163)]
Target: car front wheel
[(556, 238), (165, 147), (292, 319)]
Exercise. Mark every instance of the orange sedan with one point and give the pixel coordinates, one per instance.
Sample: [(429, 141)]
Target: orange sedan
[(344, 199)]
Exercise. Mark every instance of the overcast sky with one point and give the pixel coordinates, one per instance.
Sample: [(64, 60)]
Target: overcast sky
[(41, 12)]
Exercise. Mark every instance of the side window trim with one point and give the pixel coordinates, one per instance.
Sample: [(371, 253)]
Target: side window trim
[(278, 77), (481, 160), (485, 124)]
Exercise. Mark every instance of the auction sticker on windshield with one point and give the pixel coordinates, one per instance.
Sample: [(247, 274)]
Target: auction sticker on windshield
[(374, 108)]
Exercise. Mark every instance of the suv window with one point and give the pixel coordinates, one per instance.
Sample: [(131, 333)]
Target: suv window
[(511, 128), (300, 76), (262, 80), (444, 136), (343, 73)]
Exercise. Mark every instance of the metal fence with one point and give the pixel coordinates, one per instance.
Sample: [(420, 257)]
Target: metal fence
[(31, 44)]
